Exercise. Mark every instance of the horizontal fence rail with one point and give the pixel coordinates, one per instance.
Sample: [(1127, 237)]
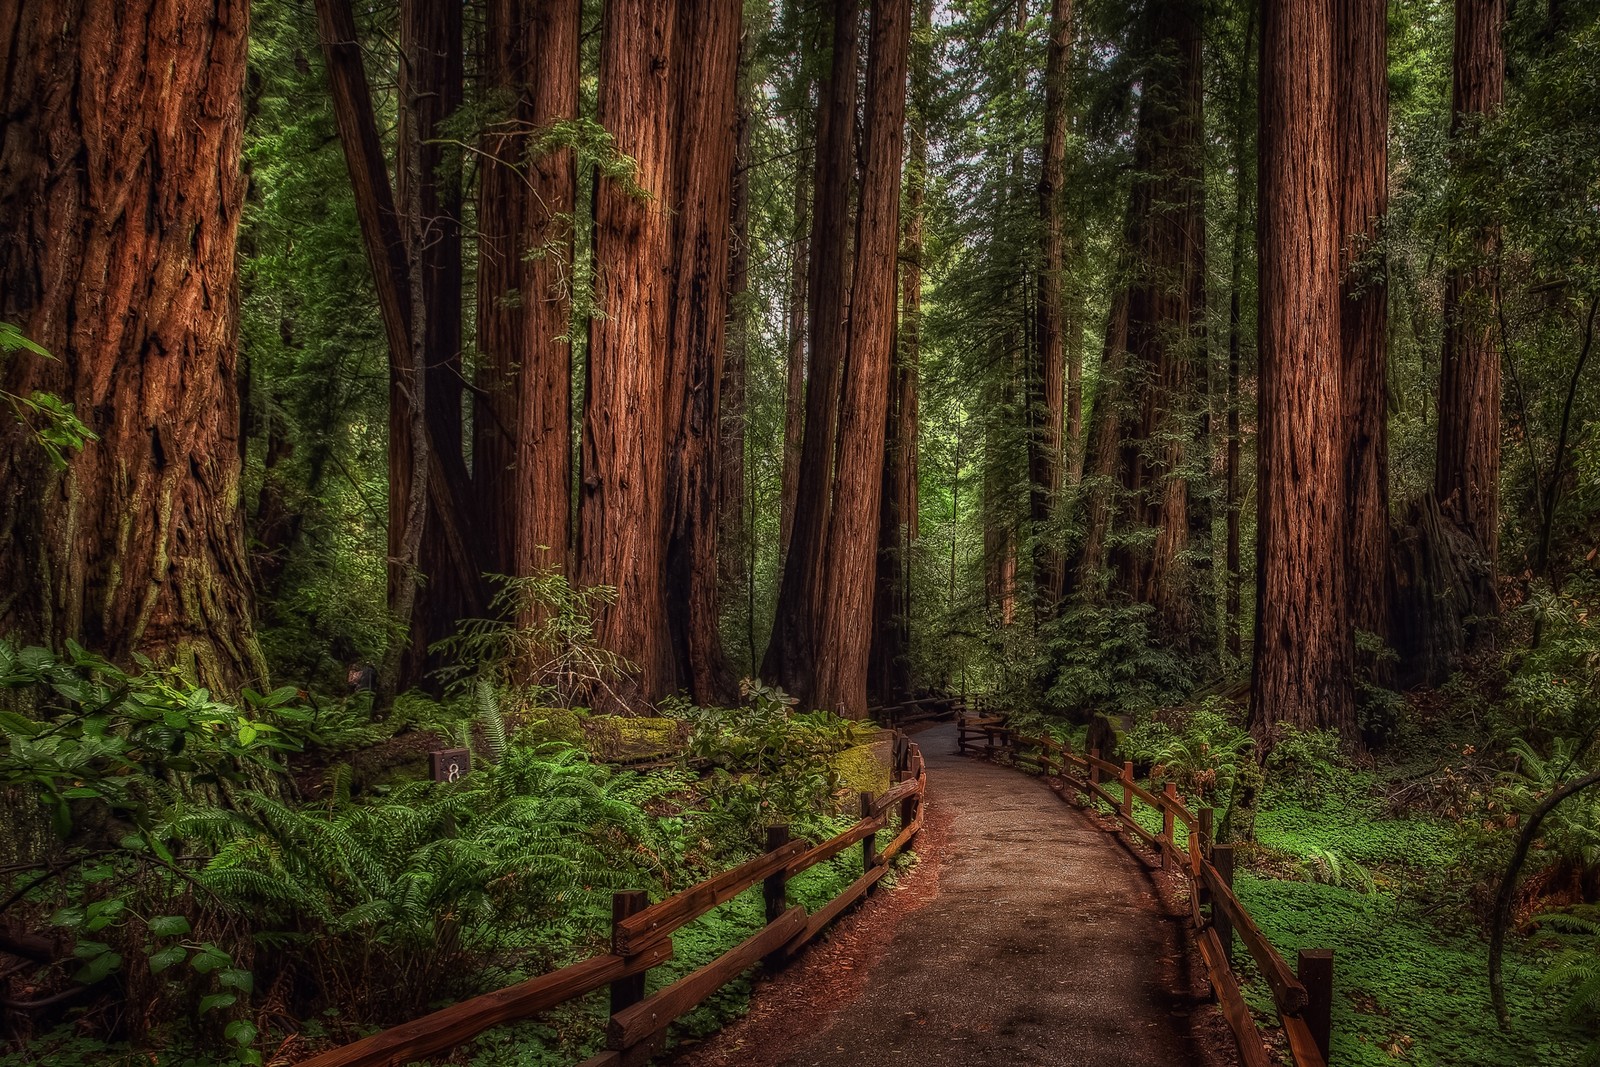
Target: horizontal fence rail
[(641, 938), (1303, 998)]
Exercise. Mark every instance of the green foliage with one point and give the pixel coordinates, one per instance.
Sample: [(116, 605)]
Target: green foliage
[(1308, 766), (50, 419), (1199, 749), (1108, 659)]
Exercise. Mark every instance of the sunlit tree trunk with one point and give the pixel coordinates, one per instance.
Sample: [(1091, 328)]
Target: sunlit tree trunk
[(522, 444), (1303, 646), (120, 193), (841, 673), (791, 653)]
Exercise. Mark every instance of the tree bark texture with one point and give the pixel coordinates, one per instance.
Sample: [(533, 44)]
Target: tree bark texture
[(120, 193), (792, 652), (522, 443), (1155, 401), (794, 395), (623, 497), (1467, 465), (448, 497), (844, 642), (731, 495), (890, 675), (1303, 647), (1362, 104), (705, 134), (1045, 453)]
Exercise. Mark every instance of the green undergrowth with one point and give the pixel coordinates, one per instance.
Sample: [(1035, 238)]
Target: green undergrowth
[(1405, 991)]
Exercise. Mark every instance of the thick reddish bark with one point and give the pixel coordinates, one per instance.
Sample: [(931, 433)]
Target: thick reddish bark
[(1045, 453), (1362, 105), (890, 678), (522, 447), (623, 499), (1303, 647), (120, 193), (731, 541), (791, 657), (846, 607), (705, 133)]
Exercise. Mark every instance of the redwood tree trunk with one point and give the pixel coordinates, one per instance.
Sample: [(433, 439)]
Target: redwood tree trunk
[(1045, 444), (791, 658), (120, 193), (1467, 467), (522, 444), (731, 495), (1363, 108), (1302, 672), (706, 113), (844, 636), (794, 396), (890, 677), (623, 499)]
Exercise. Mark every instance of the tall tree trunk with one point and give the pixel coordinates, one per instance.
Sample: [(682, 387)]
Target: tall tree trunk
[(890, 677), (136, 545), (447, 500), (846, 606), (791, 659), (1045, 459), (1362, 104), (430, 89), (794, 395), (706, 111), (1467, 467), (731, 494), (522, 437), (1303, 650), (1243, 209), (623, 499)]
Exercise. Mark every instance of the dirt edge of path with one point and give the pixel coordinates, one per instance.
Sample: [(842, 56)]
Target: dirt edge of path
[(828, 975)]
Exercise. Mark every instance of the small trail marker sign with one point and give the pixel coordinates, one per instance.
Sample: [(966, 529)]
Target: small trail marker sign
[(449, 764)]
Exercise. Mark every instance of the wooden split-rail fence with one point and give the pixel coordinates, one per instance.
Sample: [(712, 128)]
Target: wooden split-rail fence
[(1303, 997), (641, 938)]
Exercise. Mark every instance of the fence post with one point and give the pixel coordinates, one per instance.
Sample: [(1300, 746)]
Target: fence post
[(1127, 789), (776, 887), (869, 844), (1168, 823), (626, 992), (1222, 860), (1094, 768), (1200, 847), (1316, 974)]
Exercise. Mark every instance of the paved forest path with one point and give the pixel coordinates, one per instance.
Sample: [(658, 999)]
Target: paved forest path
[(1042, 941)]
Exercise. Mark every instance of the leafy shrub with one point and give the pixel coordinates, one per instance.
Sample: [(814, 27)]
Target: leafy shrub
[(1200, 749), (1097, 658), (1307, 766)]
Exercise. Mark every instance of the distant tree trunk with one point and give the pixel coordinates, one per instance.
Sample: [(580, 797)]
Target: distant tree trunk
[(1445, 564), (845, 632), (794, 403), (1045, 460), (890, 677), (791, 652), (1362, 104), (447, 506), (522, 436), (706, 113), (623, 498), (1101, 451), (1243, 208), (1303, 648), (120, 195), (731, 494), (430, 84), (1155, 397)]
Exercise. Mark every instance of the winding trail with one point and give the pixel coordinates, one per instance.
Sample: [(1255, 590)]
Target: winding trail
[(1043, 940)]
